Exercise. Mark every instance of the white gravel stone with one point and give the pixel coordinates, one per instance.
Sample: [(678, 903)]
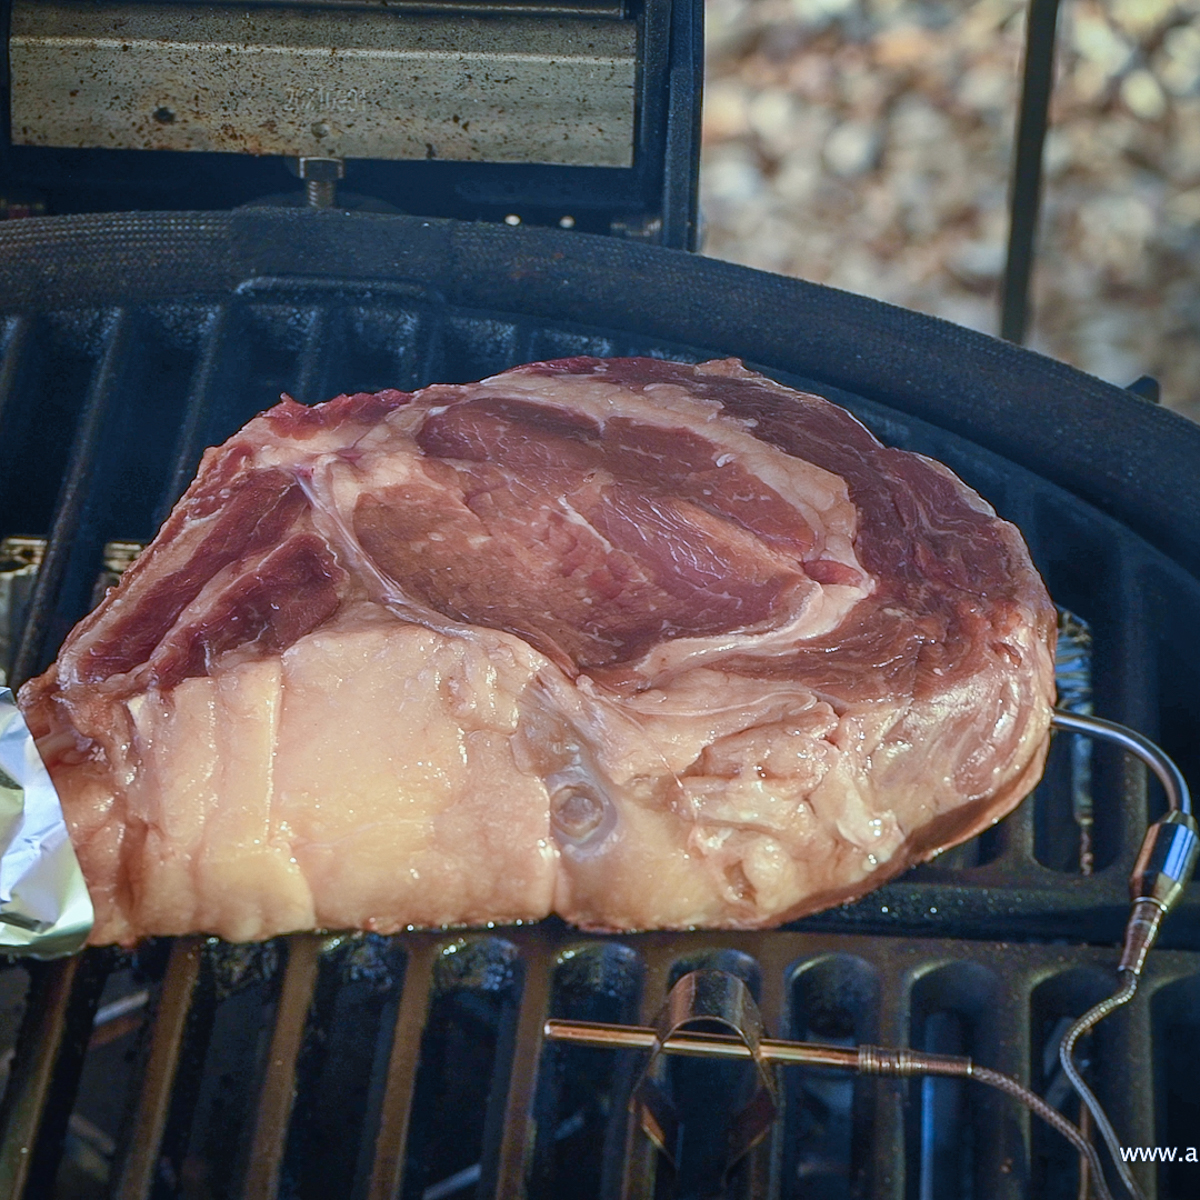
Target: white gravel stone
[(1178, 62), (1143, 96), (868, 144), (852, 148)]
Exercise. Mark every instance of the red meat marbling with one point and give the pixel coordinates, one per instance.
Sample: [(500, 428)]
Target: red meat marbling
[(645, 644)]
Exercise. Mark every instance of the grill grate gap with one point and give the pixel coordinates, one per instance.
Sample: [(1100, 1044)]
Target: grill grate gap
[(108, 1081), (14, 989), (1176, 666), (584, 1093), (475, 347), (276, 336), (138, 1147), (472, 1009), (221, 1064), (954, 1132), (835, 1001), (390, 348), (45, 1070), (1054, 1005), (215, 361), (134, 472), (341, 1069), (45, 378)]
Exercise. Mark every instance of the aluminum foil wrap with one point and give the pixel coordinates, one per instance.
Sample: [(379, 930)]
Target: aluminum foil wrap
[(45, 910)]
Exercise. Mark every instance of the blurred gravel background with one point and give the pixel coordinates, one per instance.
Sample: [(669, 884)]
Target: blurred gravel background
[(867, 144)]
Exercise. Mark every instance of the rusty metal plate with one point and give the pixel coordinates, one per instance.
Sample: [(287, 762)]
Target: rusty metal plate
[(340, 84)]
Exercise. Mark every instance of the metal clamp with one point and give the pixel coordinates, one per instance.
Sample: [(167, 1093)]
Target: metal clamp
[(708, 996)]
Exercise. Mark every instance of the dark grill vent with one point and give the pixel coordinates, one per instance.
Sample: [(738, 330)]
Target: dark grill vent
[(414, 1066)]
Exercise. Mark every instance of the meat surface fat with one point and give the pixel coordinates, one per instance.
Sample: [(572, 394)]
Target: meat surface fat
[(363, 779)]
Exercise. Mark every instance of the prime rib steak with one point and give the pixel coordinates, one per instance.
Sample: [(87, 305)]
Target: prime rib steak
[(645, 644)]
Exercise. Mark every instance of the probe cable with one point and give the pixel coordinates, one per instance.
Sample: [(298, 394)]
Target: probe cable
[(1161, 872)]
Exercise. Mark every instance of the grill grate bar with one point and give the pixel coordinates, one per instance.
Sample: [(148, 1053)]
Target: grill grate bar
[(1005, 1157), (513, 1152), (194, 436), (279, 1083), (387, 1174), (890, 1028), (765, 1159), (214, 391), (67, 548), (28, 1091), (1136, 669), (318, 345), (137, 1173)]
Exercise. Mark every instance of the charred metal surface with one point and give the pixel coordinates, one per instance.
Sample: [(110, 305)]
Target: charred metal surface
[(326, 83)]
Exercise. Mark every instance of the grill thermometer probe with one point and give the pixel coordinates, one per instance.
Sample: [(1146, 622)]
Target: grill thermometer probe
[(1163, 867)]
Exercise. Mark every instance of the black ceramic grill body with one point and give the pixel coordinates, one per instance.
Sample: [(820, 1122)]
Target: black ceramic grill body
[(374, 1067)]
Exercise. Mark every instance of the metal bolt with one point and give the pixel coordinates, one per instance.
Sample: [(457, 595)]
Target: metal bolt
[(644, 227), (321, 193), (320, 176)]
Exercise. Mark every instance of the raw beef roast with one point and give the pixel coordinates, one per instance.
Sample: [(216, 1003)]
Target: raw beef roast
[(640, 643)]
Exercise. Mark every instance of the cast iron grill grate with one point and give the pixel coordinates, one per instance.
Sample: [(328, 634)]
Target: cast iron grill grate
[(317, 1066), (373, 1067)]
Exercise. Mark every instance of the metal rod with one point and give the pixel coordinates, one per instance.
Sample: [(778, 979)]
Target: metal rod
[(699, 1045), (1179, 798), (1026, 195)]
